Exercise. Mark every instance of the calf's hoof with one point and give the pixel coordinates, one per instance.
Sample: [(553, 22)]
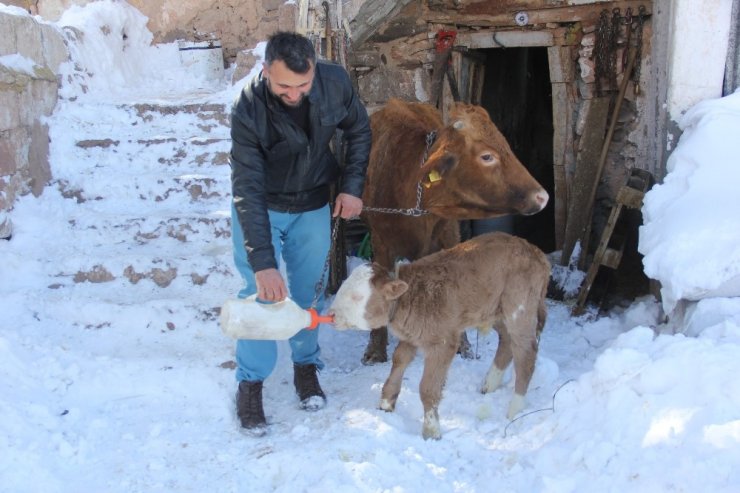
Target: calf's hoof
[(515, 406), (492, 381), (387, 405), (431, 429)]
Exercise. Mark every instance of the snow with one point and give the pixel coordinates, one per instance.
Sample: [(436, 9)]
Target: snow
[(19, 63), (693, 206), (125, 383)]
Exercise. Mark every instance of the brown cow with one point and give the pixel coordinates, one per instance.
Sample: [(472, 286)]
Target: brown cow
[(494, 280), (468, 172)]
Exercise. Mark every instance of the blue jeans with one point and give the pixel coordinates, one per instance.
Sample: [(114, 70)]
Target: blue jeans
[(303, 240)]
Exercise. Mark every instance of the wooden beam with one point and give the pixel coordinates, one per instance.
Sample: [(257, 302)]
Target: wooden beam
[(562, 65), (504, 39), (596, 114), (488, 13)]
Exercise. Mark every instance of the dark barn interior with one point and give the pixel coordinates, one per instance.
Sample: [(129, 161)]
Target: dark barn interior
[(517, 95)]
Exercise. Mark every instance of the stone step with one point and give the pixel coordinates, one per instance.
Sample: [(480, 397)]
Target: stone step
[(116, 191), (137, 120), (142, 230), (134, 269), (160, 179)]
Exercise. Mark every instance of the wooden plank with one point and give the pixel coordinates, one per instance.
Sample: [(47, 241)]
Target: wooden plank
[(592, 140), (478, 79), (563, 153), (562, 77), (562, 65), (504, 39), (480, 13)]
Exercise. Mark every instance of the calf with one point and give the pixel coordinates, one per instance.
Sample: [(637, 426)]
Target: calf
[(492, 280)]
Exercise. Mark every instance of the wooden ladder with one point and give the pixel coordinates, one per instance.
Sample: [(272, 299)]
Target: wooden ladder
[(609, 252)]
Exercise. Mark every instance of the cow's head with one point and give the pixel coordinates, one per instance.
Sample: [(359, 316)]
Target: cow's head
[(471, 172), (365, 299)]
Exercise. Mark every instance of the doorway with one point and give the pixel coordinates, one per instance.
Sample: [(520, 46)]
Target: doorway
[(517, 93)]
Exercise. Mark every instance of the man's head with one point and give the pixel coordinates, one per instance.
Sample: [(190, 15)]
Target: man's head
[(289, 67)]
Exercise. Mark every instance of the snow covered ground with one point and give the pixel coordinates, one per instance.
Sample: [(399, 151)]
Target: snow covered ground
[(115, 377)]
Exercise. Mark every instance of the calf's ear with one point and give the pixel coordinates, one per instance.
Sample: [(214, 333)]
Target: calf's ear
[(394, 289)]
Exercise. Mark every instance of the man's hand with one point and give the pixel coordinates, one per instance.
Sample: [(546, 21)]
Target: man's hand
[(347, 206), (270, 285)]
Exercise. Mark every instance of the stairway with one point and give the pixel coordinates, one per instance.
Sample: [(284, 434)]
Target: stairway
[(145, 215)]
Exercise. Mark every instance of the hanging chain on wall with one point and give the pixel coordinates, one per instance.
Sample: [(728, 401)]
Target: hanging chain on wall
[(638, 27), (608, 30), (604, 51)]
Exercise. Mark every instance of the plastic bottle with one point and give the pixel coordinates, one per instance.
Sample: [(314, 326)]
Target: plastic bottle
[(249, 318)]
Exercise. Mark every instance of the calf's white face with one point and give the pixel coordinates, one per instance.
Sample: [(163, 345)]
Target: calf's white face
[(350, 303)]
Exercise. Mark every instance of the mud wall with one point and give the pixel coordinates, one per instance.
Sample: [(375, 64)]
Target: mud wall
[(239, 24)]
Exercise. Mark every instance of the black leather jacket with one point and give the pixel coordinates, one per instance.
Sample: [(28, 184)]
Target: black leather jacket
[(274, 165)]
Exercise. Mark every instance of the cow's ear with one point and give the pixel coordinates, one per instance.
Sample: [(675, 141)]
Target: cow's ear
[(439, 168), (394, 289), (445, 163)]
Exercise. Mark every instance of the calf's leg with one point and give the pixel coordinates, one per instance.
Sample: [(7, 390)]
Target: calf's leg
[(525, 355), (402, 357), (499, 364), (436, 365)]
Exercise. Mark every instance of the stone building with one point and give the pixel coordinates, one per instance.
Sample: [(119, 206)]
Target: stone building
[(550, 72)]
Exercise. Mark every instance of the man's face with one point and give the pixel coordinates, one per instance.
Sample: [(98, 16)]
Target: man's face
[(287, 85)]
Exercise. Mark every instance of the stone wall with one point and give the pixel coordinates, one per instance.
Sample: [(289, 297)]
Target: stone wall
[(239, 24), (30, 55)]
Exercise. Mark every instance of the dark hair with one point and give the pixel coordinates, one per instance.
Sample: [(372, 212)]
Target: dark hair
[(294, 50)]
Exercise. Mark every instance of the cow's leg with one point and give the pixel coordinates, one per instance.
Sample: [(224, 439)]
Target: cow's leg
[(402, 357), (436, 365), (464, 349), (524, 348), (500, 362), (376, 350), (377, 344)]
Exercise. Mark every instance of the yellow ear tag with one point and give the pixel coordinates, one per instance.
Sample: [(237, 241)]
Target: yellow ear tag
[(434, 176)]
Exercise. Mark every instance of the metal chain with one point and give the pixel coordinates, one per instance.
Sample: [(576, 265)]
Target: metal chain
[(613, 41), (319, 286), (638, 57), (416, 211), (601, 49)]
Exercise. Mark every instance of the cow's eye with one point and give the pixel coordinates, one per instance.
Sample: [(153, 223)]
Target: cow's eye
[(488, 159)]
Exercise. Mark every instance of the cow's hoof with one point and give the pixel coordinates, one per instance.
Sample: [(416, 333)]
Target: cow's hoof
[(465, 350), (374, 355)]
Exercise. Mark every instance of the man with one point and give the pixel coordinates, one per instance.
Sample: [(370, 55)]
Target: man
[(282, 167)]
